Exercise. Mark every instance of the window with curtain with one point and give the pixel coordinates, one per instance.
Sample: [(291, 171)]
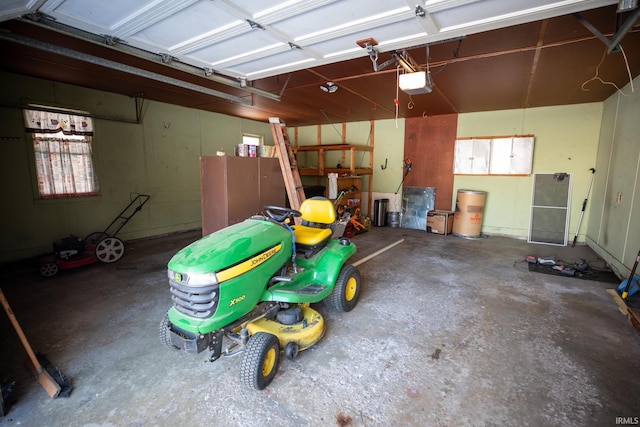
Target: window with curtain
[(63, 155)]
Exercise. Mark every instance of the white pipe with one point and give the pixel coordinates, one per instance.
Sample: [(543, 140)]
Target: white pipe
[(375, 254)]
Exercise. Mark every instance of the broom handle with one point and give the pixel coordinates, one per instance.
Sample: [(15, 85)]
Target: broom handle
[(23, 338)]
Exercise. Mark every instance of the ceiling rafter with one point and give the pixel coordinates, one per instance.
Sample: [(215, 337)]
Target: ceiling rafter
[(536, 58)]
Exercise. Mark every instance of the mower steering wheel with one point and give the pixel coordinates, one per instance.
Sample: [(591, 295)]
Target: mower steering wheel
[(280, 214)]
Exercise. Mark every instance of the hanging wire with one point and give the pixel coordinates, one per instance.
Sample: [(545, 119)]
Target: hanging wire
[(597, 77), (330, 122), (456, 53)]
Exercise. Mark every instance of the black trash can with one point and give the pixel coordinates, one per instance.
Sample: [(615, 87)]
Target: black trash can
[(380, 212)]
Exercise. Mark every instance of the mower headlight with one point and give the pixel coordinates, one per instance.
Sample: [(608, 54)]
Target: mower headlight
[(193, 279), (202, 279)]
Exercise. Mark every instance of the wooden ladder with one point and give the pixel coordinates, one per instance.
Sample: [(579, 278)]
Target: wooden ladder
[(288, 164)]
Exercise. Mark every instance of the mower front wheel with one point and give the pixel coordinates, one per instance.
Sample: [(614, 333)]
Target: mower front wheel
[(346, 291), (163, 333), (49, 269), (260, 360)]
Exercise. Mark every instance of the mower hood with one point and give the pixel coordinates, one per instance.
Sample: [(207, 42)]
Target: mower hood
[(248, 240)]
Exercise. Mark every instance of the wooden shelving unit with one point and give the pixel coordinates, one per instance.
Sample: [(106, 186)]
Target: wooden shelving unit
[(349, 168), (321, 170)]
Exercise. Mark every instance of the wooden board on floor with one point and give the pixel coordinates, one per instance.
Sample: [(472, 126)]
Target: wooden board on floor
[(632, 314), (618, 300)]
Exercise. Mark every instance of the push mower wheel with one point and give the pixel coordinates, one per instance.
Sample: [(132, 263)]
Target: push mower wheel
[(49, 269), (163, 333), (260, 360), (346, 290), (109, 250)]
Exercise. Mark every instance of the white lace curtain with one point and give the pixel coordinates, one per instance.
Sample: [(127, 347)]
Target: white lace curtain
[(62, 147)]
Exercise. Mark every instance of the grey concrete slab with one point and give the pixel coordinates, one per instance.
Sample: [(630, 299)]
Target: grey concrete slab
[(448, 331)]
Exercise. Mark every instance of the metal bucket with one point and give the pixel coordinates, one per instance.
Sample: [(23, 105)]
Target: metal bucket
[(393, 219), (467, 220)]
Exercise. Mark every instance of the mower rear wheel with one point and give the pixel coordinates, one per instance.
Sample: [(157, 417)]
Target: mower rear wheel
[(260, 360), (163, 333), (109, 249), (346, 290)]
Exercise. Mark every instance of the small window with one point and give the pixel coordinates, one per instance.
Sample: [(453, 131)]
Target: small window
[(251, 140), (495, 155), (63, 155)]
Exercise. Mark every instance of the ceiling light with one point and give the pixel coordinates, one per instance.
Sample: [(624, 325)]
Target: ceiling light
[(329, 87)]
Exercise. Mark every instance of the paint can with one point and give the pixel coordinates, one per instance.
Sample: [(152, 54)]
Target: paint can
[(393, 219), (241, 150), (467, 220)]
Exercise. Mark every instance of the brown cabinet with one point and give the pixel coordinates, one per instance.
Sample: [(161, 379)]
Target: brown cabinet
[(234, 188)]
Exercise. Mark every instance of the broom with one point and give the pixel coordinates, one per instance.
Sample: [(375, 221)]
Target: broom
[(53, 382)]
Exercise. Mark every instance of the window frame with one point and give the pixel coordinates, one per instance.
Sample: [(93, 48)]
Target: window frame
[(63, 166), (488, 155)]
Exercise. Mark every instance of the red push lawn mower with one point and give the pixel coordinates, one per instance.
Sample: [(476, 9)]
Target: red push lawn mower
[(104, 246)]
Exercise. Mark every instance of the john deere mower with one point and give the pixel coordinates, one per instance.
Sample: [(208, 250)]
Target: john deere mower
[(248, 288)]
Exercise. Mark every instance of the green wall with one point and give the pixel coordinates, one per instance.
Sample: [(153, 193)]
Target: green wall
[(614, 230), (158, 157), (566, 140)]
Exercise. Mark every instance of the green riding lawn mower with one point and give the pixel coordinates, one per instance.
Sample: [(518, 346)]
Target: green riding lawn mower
[(250, 286)]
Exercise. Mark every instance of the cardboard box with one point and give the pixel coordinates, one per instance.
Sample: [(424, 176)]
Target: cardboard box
[(439, 222)]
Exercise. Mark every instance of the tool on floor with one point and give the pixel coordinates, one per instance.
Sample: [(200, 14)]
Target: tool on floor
[(630, 286), (547, 260), (584, 205), (55, 387)]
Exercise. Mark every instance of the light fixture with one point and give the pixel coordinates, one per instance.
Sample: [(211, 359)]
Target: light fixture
[(329, 87), (416, 83)]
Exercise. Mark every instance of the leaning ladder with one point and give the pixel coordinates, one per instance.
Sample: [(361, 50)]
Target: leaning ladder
[(288, 165)]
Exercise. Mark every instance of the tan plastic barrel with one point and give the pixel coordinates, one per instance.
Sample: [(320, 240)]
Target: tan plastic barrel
[(467, 219)]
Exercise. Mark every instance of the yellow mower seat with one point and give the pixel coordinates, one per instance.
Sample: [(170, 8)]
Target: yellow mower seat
[(318, 216)]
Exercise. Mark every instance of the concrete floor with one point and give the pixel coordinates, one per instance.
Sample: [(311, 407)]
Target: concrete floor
[(448, 332)]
